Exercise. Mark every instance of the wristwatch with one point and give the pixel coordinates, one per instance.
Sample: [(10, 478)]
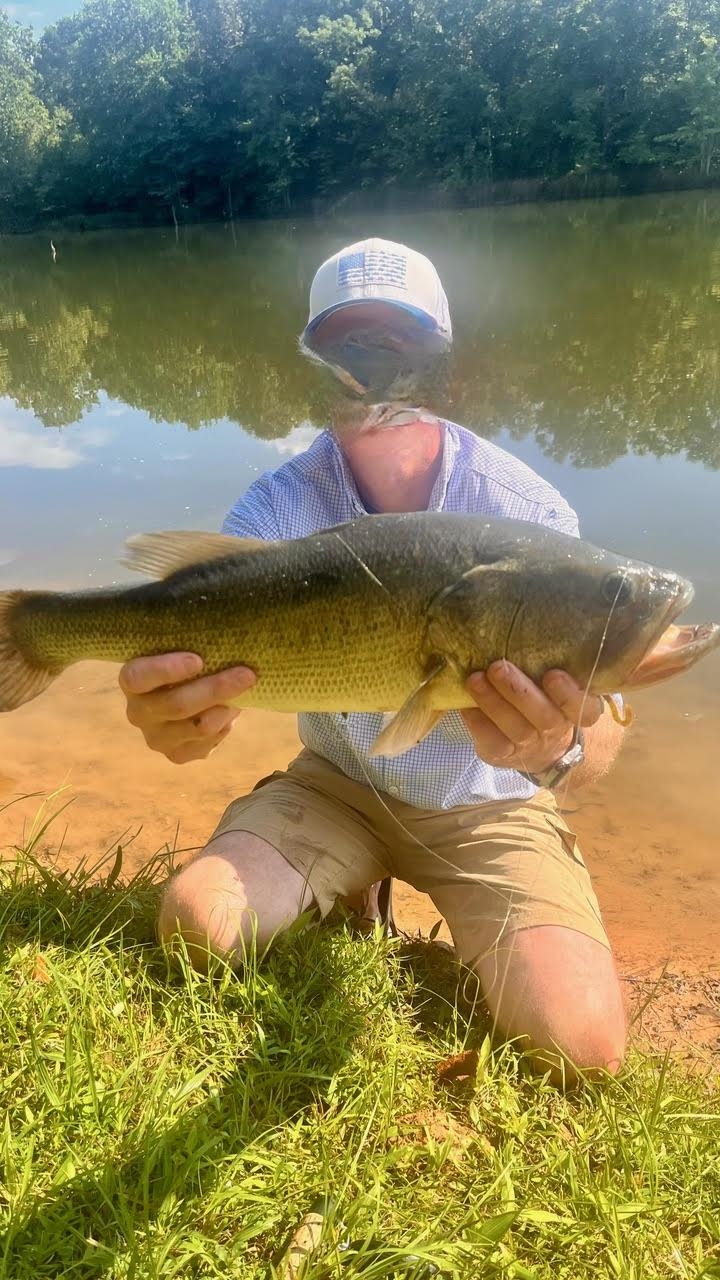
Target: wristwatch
[(574, 756)]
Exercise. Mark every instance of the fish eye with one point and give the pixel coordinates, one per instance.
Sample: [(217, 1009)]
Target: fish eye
[(617, 588)]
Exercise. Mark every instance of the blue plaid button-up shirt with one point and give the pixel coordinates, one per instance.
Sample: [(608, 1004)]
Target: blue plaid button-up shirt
[(315, 490)]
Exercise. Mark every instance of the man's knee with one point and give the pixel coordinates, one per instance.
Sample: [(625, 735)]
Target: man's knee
[(235, 896), (590, 1039), (556, 992)]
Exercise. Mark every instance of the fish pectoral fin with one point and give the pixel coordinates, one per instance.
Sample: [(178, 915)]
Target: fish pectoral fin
[(163, 553), (413, 722)]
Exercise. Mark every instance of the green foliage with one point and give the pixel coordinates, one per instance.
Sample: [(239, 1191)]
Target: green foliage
[(157, 109), (29, 131), (121, 72), (161, 1124)]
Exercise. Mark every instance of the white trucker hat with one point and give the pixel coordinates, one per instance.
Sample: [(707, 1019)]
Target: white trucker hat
[(379, 271)]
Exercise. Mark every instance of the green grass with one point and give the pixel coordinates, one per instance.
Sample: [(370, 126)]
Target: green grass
[(156, 1123)]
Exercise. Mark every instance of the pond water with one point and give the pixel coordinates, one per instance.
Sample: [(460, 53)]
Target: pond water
[(146, 379)]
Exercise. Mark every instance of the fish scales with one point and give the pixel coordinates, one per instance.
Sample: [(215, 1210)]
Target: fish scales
[(324, 621)]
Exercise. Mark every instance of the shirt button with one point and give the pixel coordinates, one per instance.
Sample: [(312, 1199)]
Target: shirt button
[(394, 791)]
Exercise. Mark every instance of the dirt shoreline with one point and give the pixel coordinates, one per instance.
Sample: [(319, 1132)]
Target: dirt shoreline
[(648, 832)]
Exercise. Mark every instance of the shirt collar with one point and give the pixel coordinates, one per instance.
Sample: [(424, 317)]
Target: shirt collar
[(438, 496), (450, 447)]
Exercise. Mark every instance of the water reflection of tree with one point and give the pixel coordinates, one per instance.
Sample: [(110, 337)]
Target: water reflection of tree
[(595, 329), (187, 333), (614, 343)]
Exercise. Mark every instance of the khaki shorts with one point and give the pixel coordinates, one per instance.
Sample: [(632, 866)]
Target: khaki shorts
[(490, 869)]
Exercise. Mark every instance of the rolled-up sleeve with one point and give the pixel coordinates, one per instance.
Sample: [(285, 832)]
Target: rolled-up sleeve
[(563, 519)]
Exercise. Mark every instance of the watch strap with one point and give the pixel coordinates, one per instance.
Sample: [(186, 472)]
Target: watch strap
[(574, 756)]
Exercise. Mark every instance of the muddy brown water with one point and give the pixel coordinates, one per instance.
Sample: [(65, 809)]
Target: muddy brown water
[(146, 381)]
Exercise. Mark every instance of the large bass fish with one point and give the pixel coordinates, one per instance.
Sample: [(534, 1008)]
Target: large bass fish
[(386, 613)]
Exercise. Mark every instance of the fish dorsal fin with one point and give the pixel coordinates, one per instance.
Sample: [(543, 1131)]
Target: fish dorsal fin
[(414, 720), (160, 554)]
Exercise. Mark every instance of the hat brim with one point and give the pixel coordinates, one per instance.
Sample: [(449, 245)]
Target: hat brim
[(423, 317)]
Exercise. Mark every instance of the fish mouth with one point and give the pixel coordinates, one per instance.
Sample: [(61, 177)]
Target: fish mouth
[(676, 647), (673, 647)]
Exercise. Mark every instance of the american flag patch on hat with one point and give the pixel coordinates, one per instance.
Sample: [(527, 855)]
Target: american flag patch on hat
[(372, 266)]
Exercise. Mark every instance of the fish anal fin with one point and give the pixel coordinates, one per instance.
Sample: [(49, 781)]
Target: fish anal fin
[(413, 722), (160, 554)]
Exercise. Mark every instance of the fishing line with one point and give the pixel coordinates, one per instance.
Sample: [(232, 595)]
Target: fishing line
[(561, 799), (510, 899), (513, 620), (359, 560), (590, 678), (494, 949)]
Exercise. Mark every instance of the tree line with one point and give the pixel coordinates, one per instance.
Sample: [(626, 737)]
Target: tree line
[(189, 109)]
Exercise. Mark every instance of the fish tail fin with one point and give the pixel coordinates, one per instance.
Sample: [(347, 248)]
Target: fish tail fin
[(20, 677)]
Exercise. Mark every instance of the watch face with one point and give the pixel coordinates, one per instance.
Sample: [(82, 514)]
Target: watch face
[(572, 757)]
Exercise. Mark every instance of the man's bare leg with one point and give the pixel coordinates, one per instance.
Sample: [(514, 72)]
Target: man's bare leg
[(557, 991), (237, 888)]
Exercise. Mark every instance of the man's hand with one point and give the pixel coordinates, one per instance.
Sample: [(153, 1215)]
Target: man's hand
[(520, 726), (179, 715)]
